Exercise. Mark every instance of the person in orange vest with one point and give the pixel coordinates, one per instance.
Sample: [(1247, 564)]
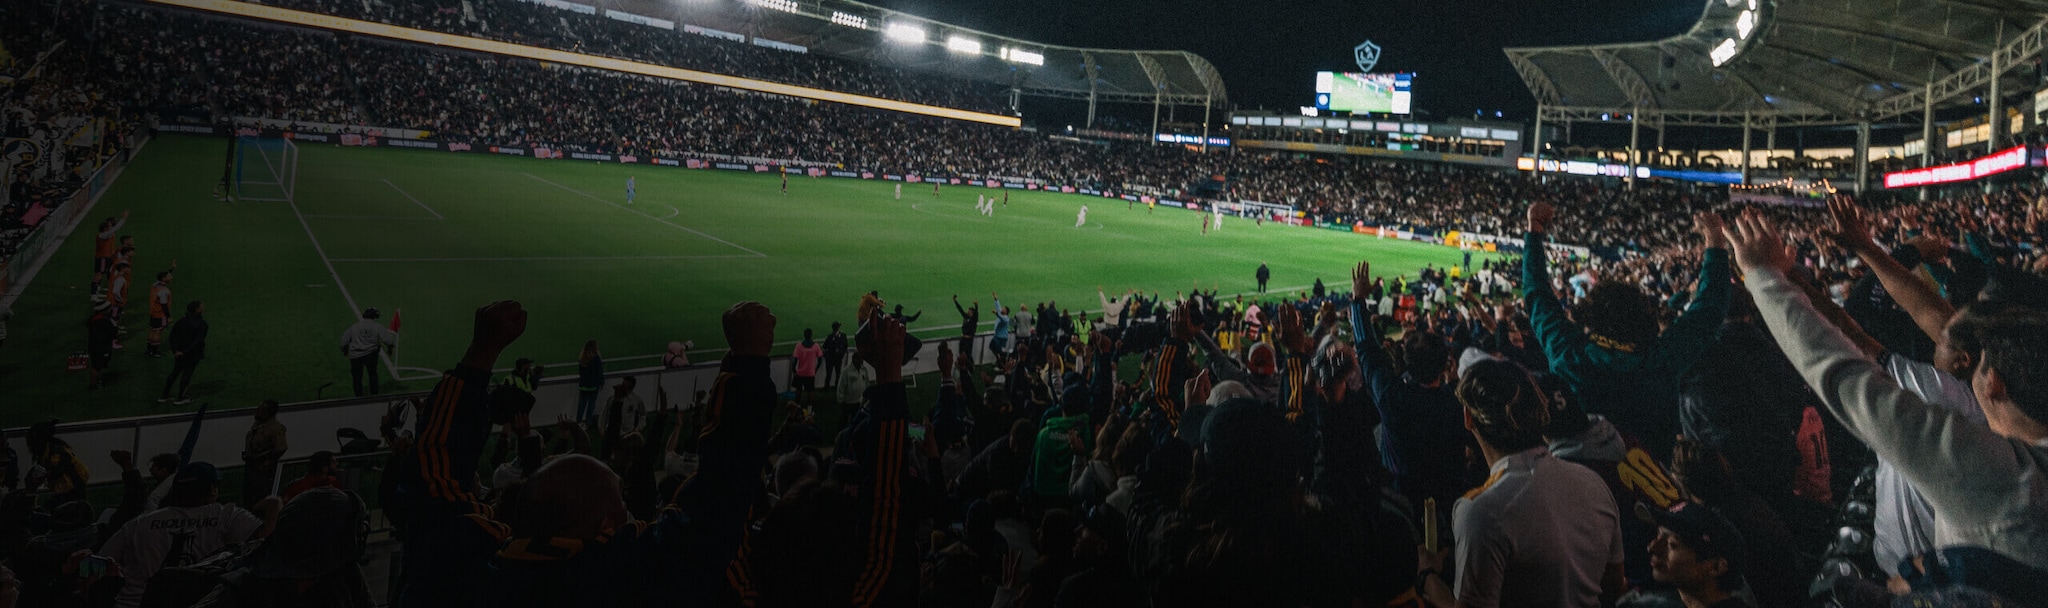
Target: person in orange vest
[(159, 312), (103, 243)]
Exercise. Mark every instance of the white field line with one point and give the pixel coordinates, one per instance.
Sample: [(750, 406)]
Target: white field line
[(415, 200), (636, 212), (353, 310)]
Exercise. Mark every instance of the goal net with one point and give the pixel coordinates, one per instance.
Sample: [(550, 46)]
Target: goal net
[(266, 168)]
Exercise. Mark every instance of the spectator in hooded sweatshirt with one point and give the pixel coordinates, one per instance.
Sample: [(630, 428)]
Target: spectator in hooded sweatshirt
[(1424, 440), (1610, 352), (361, 344), (1982, 482), (1540, 531)]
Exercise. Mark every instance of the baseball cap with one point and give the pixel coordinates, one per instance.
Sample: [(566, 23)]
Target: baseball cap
[(371, 313), (1701, 529), (197, 472), (1262, 359)]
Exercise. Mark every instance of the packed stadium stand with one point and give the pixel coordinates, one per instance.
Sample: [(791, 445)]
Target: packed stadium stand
[(1641, 395)]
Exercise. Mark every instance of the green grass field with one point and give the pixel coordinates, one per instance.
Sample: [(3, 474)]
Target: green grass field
[(438, 234)]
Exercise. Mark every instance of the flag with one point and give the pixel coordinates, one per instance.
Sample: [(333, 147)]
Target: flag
[(394, 319)]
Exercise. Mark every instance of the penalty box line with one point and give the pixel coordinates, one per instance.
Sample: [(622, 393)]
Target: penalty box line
[(650, 217)]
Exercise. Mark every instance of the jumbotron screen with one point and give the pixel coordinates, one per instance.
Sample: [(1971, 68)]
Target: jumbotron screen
[(1360, 93)]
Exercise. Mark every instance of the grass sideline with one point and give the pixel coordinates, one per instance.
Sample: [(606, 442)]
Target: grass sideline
[(438, 234)]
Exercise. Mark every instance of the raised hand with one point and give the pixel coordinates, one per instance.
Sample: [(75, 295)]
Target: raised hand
[(1710, 227), (497, 325), (1291, 334), (883, 348), (1756, 244), (1850, 230), (749, 329), (1361, 281), (123, 458), (1540, 215), (1182, 322)]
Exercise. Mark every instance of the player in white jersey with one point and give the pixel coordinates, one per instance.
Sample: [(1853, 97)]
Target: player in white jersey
[(1219, 220), (629, 190), (899, 191), (1082, 219)]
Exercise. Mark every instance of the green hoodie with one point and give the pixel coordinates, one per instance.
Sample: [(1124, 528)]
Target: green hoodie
[(1053, 461)]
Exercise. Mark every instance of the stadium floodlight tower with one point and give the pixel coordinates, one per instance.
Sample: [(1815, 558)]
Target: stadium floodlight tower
[(1765, 64)]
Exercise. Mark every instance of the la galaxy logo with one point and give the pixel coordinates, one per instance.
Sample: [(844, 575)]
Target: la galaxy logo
[(1367, 54)]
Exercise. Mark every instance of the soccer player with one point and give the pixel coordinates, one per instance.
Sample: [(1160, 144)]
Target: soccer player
[(103, 244), (1081, 219), (1150, 205), (117, 294), (935, 189), (1205, 225), (1219, 219), (159, 312), (981, 204), (629, 190), (1006, 199), (899, 191), (785, 183)]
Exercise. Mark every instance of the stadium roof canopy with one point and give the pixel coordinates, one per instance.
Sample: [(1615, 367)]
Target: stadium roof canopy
[(887, 37), (1794, 62)]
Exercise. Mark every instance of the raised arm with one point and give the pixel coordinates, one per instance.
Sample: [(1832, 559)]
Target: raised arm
[(883, 440), (455, 421), (1929, 310), (706, 520), (1174, 368), (1693, 332), (1554, 331), (1929, 445)]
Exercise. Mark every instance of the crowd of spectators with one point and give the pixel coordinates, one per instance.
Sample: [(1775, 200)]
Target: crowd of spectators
[(57, 123), (1550, 430), (536, 25), (1767, 407)]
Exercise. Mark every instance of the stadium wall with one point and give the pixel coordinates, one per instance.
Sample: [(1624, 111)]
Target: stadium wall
[(380, 30)]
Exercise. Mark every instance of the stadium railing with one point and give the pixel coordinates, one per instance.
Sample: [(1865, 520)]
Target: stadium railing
[(17, 270), (311, 425)]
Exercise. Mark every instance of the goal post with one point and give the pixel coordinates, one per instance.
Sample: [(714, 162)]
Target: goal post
[(266, 168)]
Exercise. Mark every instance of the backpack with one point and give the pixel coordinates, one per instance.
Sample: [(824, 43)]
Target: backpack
[(183, 586)]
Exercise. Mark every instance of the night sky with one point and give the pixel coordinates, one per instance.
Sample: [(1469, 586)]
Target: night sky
[(1268, 51)]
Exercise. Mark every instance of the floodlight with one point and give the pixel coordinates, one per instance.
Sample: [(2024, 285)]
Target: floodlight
[(906, 32), (852, 21), (1745, 24), (960, 44), (1022, 56), (1721, 54), (787, 6)]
